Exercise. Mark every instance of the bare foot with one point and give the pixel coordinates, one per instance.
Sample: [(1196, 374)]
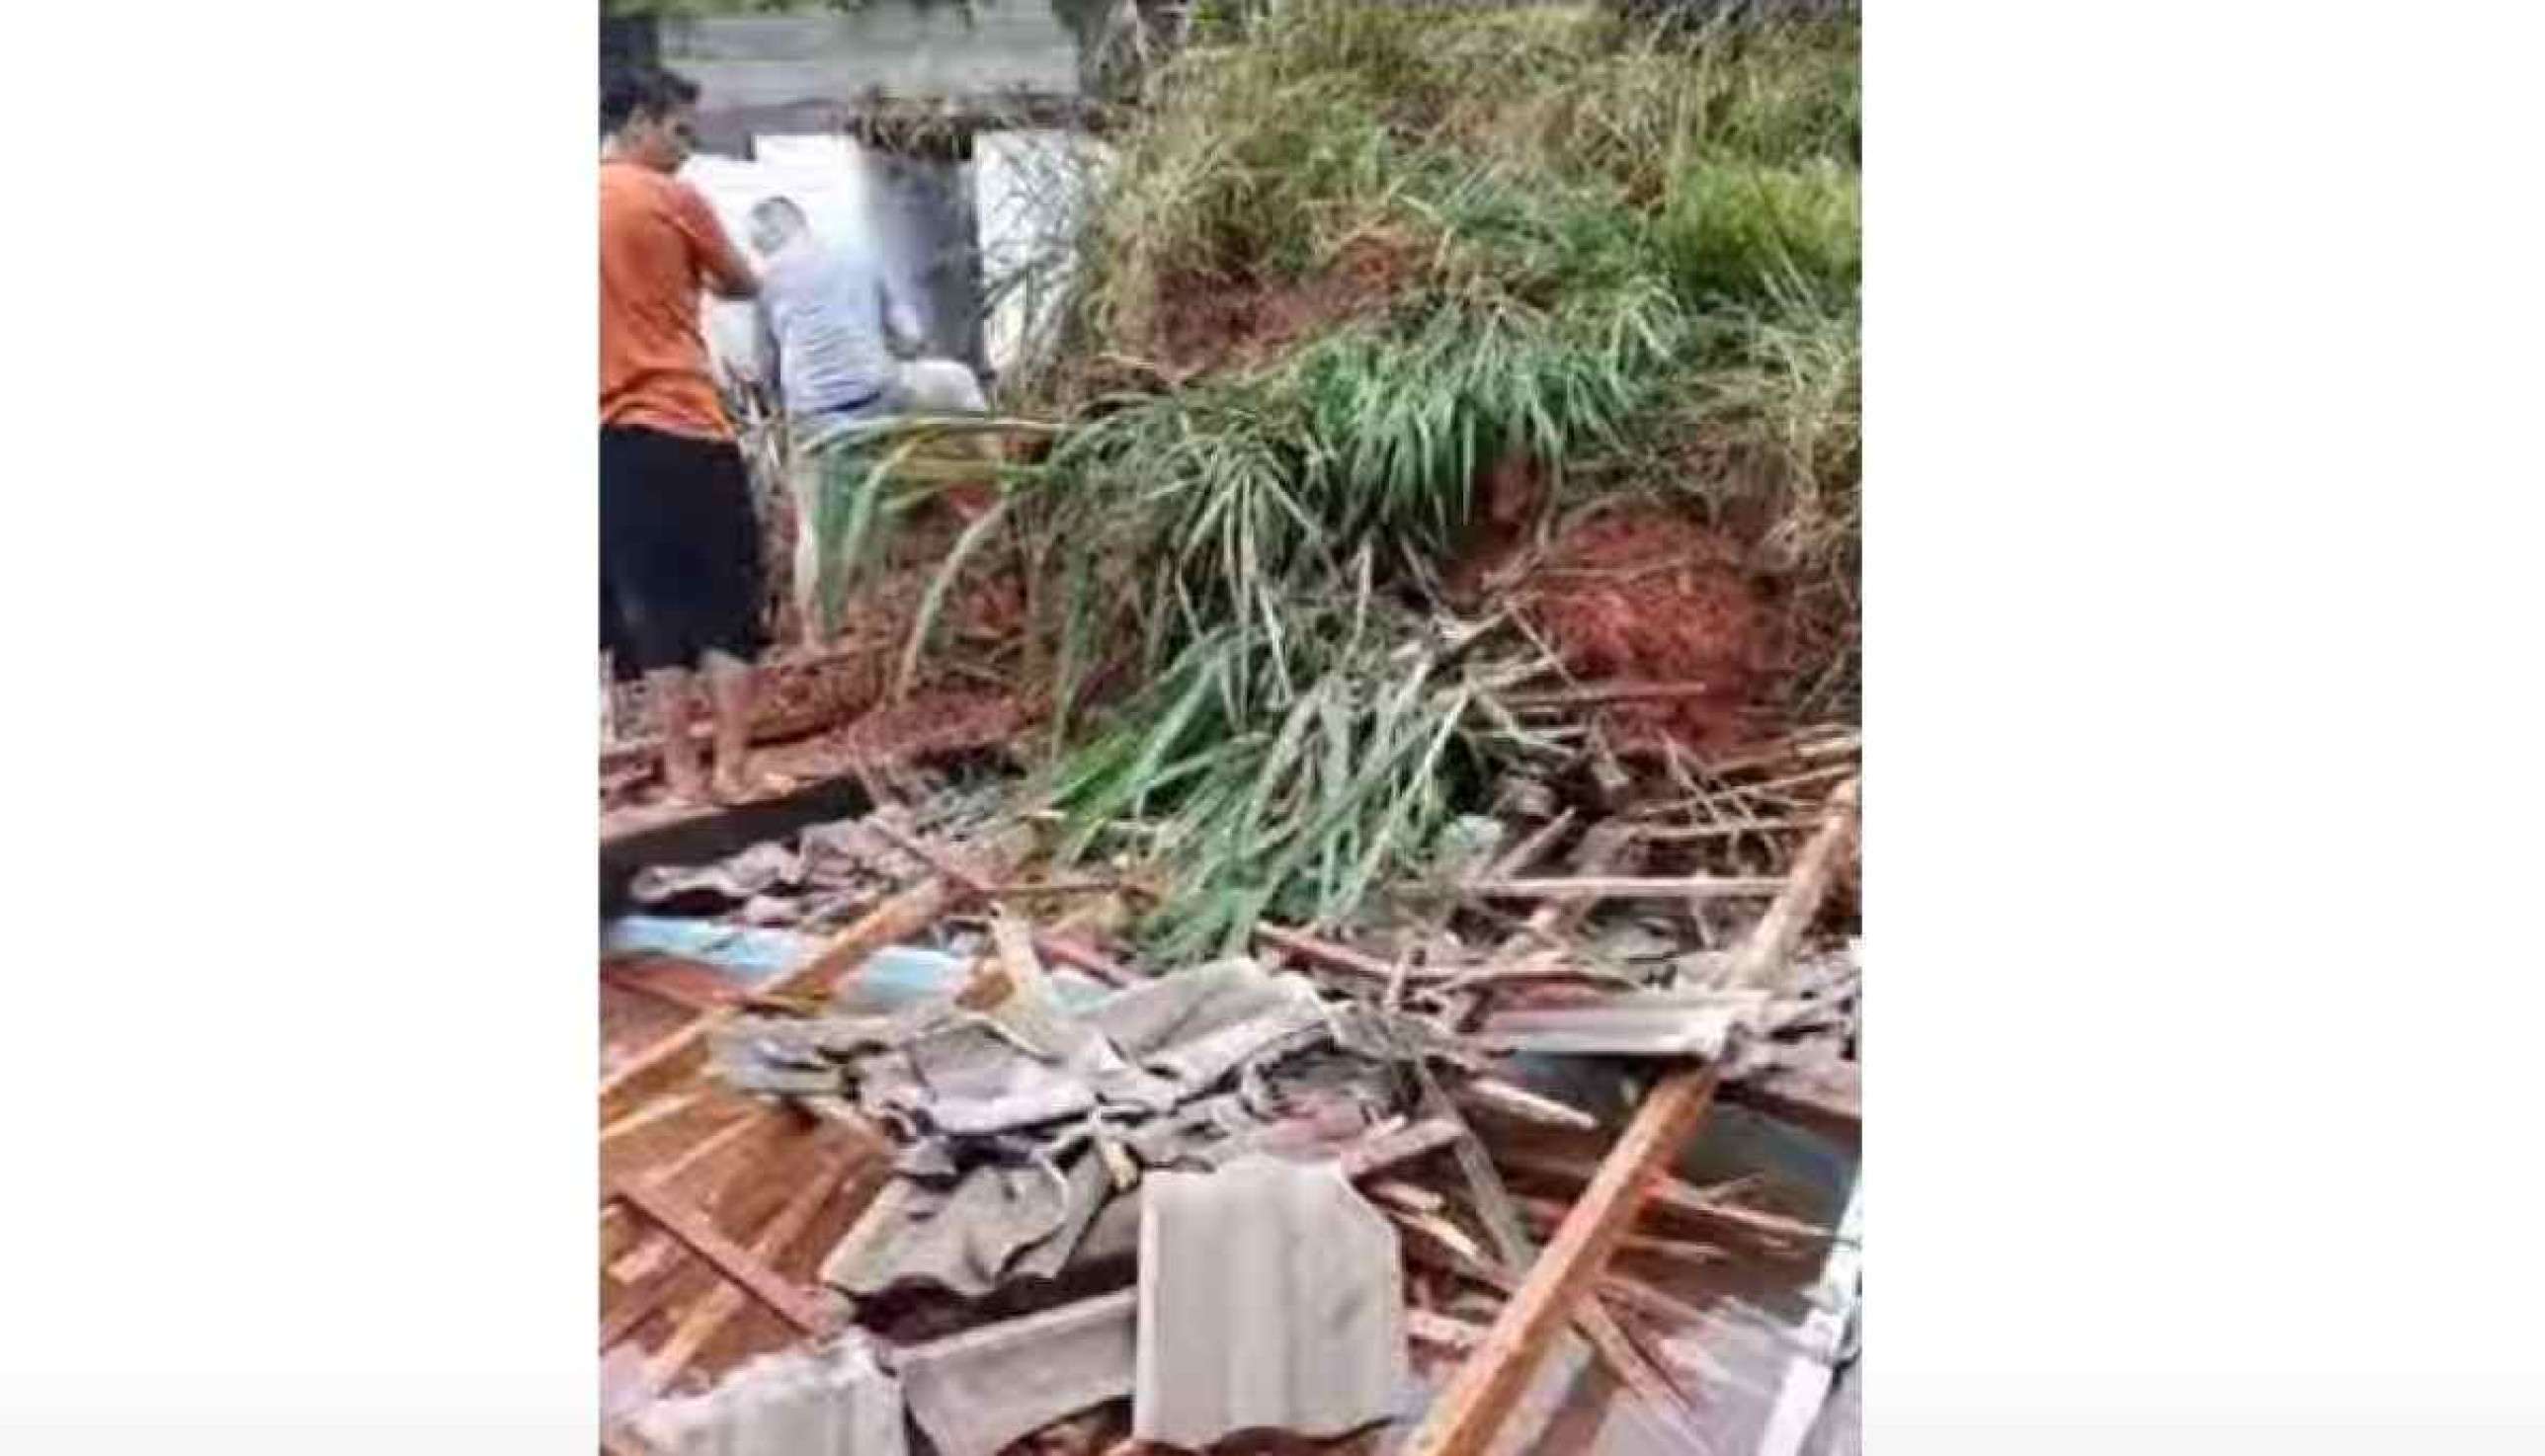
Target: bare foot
[(745, 787), (684, 783)]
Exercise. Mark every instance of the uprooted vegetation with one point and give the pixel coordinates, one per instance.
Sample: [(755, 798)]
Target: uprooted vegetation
[(1350, 265)]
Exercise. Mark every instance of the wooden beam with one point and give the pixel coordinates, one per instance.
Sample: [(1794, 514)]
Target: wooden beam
[(759, 1123), (1827, 1099), (1766, 957), (800, 1308), (1327, 953), (676, 1058), (1428, 1327), (1520, 856), (1053, 948), (1389, 1150), (1480, 1397), (1622, 887), (721, 1307), (1548, 1213), (1596, 695), (1609, 1339), (682, 983), (1523, 1105), (1677, 1195)]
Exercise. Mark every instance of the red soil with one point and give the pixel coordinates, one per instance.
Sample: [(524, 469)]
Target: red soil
[(1640, 596)]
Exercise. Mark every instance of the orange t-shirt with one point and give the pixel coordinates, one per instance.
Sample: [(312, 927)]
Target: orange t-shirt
[(656, 237)]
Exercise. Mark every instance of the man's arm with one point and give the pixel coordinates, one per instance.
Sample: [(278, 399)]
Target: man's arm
[(727, 275), (765, 336), (900, 321)]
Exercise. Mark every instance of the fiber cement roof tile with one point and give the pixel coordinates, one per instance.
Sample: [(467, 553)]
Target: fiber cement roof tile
[(1271, 1298), (831, 1402), (977, 1392)]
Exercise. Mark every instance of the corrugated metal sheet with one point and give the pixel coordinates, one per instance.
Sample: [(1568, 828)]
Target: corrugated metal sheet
[(1271, 1298)]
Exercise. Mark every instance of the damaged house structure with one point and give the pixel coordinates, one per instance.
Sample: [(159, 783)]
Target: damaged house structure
[(1322, 910), (954, 1179)]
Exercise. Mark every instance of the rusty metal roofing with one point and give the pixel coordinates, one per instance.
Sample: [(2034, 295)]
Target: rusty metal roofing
[(1271, 1298)]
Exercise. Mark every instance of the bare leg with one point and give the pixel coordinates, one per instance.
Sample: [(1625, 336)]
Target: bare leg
[(729, 684), (682, 772)]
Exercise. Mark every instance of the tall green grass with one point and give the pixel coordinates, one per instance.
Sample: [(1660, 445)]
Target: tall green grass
[(1629, 256)]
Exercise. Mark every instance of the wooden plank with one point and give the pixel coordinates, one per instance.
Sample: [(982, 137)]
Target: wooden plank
[(639, 1303), (1548, 1213), (681, 982), (1481, 1396), (1766, 957), (1675, 1195), (1829, 1100), (1389, 1150), (1053, 948), (652, 1113), (1327, 953), (759, 1123), (1428, 1327), (725, 1305), (798, 1307), (1521, 1105), (1624, 887), (684, 1053), (1633, 1367), (1596, 694), (1520, 858)]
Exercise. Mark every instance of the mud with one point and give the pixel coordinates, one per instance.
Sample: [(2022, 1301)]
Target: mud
[(1641, 595), (1207, 324)]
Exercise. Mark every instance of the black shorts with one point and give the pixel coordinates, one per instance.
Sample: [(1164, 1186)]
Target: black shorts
[(680, 551)]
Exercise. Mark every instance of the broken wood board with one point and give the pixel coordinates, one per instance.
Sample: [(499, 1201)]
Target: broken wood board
[(907, 913), (809, 1312), (1480, 1395), (1490, 1382), (1624, 887), (771, 1246)]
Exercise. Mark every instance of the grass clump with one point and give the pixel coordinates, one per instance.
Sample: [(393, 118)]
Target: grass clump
[(1629, 254), (1290, 789)]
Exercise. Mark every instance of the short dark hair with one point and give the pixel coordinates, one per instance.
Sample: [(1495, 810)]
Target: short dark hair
[(643, 91)]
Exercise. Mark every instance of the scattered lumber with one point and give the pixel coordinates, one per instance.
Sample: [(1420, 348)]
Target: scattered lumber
[(684, 1053), (1766, 957), (1686, 887), (1599, 695), (1326, 952), (1055, 947), (1674, 1196), (808, 1313), (1480, 1397), (719, 1309), (1522, 1104), (683, 983), (1828, 1097)]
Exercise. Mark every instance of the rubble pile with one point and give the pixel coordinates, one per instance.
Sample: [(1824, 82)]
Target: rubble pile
[(1269, 1192)]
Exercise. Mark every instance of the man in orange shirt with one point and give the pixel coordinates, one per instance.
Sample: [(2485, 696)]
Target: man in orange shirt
[(680, 547)]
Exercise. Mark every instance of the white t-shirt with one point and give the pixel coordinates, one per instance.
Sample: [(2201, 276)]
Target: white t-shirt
[(832, 315)]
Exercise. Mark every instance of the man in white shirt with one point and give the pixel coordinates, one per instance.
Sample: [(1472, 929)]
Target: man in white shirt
[(842, 333)]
